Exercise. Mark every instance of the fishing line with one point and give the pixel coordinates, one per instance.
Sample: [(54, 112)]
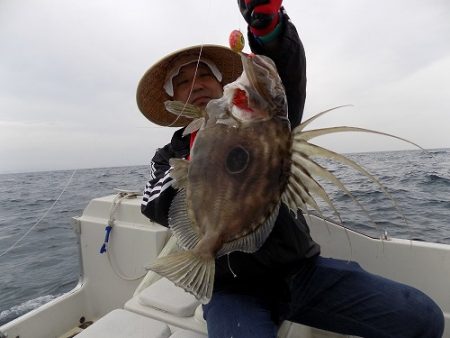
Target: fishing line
[(195, 73), (42, 217)]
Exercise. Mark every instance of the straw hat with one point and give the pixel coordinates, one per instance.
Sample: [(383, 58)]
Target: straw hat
[(151, 94)]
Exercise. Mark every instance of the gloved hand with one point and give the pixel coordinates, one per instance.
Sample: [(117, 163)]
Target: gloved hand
[(261, 15)]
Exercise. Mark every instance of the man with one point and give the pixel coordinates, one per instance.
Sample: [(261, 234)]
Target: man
[(286, 278)]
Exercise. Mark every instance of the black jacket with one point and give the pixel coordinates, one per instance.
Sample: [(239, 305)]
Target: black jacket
[(289, 242)]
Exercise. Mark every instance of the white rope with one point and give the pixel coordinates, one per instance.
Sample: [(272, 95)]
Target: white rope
[(40, 219), (116, 202)]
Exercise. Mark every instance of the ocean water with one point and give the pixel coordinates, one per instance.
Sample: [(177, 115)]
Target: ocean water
[(44, 264)]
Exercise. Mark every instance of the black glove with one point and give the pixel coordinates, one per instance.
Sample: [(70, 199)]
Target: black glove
[(261, 15)]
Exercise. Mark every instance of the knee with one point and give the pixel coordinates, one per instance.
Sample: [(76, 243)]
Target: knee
[(435, 320), (236, 315), (429, 318)]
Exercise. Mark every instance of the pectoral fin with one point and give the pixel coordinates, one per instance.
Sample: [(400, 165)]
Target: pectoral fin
[(195, 125), (179, 108), (179, 172)]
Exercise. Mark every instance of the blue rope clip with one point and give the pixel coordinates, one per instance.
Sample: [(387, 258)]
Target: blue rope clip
[(105, 243)]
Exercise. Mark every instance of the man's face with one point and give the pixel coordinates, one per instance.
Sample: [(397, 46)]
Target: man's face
[(204, 88)]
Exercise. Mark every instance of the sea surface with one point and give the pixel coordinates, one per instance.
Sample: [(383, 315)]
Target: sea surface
[(44, 264)]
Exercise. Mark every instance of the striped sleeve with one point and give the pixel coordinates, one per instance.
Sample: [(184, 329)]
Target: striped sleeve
[(155, 186), (158, 192)]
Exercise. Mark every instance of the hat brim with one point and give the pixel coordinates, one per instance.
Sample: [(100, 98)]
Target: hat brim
[(151, 95)]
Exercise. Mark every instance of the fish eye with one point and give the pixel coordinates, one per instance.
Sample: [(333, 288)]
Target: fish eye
[(237, 160)]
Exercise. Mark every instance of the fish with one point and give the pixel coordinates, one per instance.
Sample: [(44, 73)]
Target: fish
[(245, 161)]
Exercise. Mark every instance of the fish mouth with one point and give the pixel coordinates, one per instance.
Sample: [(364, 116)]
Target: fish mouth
[(265, 96), (259, 71), (256, 96)]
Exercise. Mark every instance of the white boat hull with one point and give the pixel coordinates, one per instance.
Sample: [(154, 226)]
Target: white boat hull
[(109, 282)]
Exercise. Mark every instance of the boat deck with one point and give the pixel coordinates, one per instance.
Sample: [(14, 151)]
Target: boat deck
[(115, 291)]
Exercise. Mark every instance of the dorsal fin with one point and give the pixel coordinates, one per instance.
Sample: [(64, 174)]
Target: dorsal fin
[(180, 222)]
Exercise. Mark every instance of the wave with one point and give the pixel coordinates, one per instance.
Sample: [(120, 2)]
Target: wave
[(406, 175), (18, 310), (439, 151), (436, 179)]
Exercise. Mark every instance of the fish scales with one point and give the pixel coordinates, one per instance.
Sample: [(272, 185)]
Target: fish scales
[(235, 202)]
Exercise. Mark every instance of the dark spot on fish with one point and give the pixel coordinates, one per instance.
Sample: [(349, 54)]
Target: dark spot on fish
[(237, 160)]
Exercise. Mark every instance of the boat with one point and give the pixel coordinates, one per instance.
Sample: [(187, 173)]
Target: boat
[(117, 296)]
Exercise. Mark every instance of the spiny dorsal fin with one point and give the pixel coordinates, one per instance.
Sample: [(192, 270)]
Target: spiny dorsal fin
[(312, 167), (301, 145), (179, 172), (315, 150), (302, 125), (302, 186), (310, 134)]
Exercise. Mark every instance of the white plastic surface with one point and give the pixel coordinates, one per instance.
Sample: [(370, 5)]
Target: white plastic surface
[(164, 295), (187, 334), (120, 323)]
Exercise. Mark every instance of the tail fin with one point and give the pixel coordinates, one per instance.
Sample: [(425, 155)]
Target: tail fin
[(187, 270)]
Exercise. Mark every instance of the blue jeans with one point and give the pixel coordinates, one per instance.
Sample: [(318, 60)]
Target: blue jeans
[(333, 295)]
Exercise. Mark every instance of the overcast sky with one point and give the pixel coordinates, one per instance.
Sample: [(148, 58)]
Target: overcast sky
[(69, 71)]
